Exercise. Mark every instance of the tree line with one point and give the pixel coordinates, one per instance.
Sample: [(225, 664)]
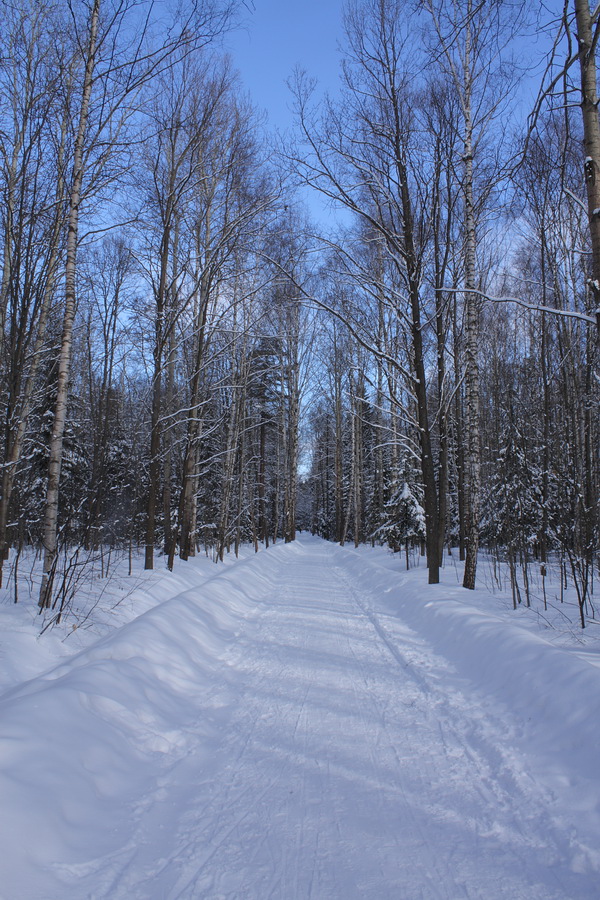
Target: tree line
[(460, 396), (188, 361)]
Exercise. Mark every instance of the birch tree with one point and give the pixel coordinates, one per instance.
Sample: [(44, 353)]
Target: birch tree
[(64, 360), (32, 150), (364, 157), (588, 31), (114, 57), (470, 39), (227, 213)]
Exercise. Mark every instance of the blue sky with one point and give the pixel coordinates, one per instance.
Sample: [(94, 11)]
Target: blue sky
[(278, 36)]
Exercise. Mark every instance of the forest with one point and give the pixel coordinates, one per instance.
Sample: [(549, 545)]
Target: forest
[(191, 360)]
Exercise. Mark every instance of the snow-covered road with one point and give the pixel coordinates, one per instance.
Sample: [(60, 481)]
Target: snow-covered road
[(328, 752)]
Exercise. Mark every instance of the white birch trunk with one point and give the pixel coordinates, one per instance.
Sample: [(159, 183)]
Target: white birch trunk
[(587, 34), (50, 537), (472, 302)]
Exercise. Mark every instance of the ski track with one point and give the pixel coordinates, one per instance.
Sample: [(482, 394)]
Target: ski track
[(354, 763)]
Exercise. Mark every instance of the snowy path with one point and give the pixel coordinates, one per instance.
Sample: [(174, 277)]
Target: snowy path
[(345, 760)]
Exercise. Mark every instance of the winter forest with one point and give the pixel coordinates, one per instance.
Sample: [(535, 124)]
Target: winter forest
[(193, 360)]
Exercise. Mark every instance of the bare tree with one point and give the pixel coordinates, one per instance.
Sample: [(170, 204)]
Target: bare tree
[(64, 360), (588, 31), (33, 146), (106, 286), (227, 212), (470, 43), (362, 156), (115, 57)]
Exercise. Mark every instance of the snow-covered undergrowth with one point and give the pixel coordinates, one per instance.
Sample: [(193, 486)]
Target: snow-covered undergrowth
[(150, 681)]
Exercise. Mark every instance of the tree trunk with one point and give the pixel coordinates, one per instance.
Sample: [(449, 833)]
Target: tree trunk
[(587, 34), (50, 538), (291, 425), (16, 436), (472, 302), (263, 527), (194, 427)]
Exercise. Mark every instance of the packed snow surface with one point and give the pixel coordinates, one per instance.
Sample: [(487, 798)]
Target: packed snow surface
[(309, 722)]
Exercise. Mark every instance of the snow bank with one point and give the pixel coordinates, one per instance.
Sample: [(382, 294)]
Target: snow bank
[(553, 693), (80, 744), (546, 685)]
